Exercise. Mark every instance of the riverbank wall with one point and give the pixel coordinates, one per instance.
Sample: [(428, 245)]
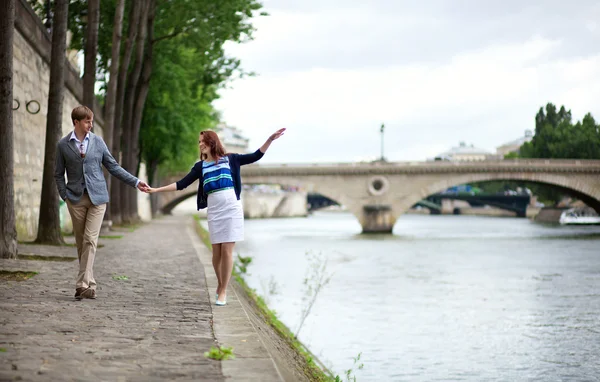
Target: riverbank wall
[(549, 215), (281, 204)]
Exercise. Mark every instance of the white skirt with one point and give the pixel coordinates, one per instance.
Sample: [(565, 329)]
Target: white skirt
[(225, 217)]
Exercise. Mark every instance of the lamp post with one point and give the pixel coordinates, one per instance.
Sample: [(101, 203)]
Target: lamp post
[(382, 128)]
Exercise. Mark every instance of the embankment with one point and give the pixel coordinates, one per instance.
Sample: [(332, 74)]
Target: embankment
[(294, 361)]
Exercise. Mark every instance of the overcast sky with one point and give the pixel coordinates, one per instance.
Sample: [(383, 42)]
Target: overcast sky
[(436, 72)]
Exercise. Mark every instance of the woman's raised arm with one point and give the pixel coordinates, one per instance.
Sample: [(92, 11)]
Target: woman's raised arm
[(270, 140)]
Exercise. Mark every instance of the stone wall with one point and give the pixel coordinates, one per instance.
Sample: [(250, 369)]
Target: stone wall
[(549, 215), (258, 204), (31, 76)]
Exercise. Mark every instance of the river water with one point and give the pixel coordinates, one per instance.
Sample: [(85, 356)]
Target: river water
[(445, 298)]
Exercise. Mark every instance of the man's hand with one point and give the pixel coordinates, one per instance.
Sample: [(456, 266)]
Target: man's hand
[(142, 186)]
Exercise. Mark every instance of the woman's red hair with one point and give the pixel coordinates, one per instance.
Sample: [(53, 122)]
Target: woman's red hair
[(211, 139)]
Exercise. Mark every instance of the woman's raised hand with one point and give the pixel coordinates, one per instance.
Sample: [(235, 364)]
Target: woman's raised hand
[(277, 134)]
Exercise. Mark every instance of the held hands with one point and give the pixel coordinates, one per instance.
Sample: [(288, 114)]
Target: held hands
[(276, 134), (142, 186)]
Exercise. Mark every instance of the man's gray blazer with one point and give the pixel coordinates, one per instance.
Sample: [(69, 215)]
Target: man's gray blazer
[(86, 172)]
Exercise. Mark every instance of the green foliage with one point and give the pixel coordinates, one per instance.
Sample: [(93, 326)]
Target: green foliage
[(350, 376), (174, 114), (556, 136), (189, 65), (219, 353), (242, 263), (120, 277)]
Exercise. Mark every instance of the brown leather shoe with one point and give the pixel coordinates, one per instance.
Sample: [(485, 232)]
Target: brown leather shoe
[(78, 293), (89, 293)]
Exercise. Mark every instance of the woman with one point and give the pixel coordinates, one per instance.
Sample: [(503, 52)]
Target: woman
[(219, 190)]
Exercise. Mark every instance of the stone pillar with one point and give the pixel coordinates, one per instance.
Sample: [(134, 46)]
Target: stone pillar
[(377, 219)]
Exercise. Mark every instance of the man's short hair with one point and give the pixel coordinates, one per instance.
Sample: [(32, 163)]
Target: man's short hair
[(81, 112)]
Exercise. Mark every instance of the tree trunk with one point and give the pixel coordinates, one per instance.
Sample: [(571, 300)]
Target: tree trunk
[(91, 51), (8, 231), (140, 100), (115, 187), (153, 181), (49, 221), (129, 216), (111, 92)]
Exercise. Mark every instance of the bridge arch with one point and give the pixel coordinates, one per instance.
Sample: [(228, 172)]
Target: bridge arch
[(582, 191), (180, 197)]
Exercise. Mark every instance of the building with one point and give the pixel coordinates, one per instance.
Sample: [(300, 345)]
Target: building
[(465, 153), (514, 146), (232, 139)]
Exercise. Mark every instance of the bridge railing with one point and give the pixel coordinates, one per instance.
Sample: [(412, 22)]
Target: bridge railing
[(506, 162), (365, 168)]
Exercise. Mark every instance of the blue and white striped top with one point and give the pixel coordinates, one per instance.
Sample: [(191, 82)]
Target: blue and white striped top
[(217, 176)]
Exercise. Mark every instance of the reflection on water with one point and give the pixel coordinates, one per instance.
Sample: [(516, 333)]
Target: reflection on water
[(443, 298)]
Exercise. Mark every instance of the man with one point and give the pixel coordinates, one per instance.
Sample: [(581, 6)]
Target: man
[(81, 152)]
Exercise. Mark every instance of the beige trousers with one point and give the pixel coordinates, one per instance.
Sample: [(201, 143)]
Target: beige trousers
[(87, 221)]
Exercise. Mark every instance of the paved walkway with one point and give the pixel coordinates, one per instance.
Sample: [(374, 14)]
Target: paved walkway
[(153, 326)]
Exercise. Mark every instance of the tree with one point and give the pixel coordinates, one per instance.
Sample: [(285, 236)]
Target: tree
[(175, 112), (111, 91), (115, 188), (138, 109), (91, 51), (128, 215), (8, 231), (557, 137), (189, 70), (201, 26), (49, 219)]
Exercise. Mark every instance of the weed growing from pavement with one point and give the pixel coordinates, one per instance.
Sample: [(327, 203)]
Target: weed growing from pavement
[(2, 350), (16, 275), (34, 257), (219, 353), (112, 236), (120, 278)]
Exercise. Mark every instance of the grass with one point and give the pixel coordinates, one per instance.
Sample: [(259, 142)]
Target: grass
[(53, 245), (311, 369), (112, 236), (62, 245), (127, 227), (2, 350), (219, 353), (16, 275), (120, 277), (45, 258)]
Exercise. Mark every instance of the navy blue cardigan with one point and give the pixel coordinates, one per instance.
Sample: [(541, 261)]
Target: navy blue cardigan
[(235, 161)]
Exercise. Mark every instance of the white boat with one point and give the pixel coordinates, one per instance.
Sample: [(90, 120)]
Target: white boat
[(580, 215)]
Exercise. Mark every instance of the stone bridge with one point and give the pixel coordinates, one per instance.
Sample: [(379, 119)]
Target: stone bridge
[(377, 193)]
